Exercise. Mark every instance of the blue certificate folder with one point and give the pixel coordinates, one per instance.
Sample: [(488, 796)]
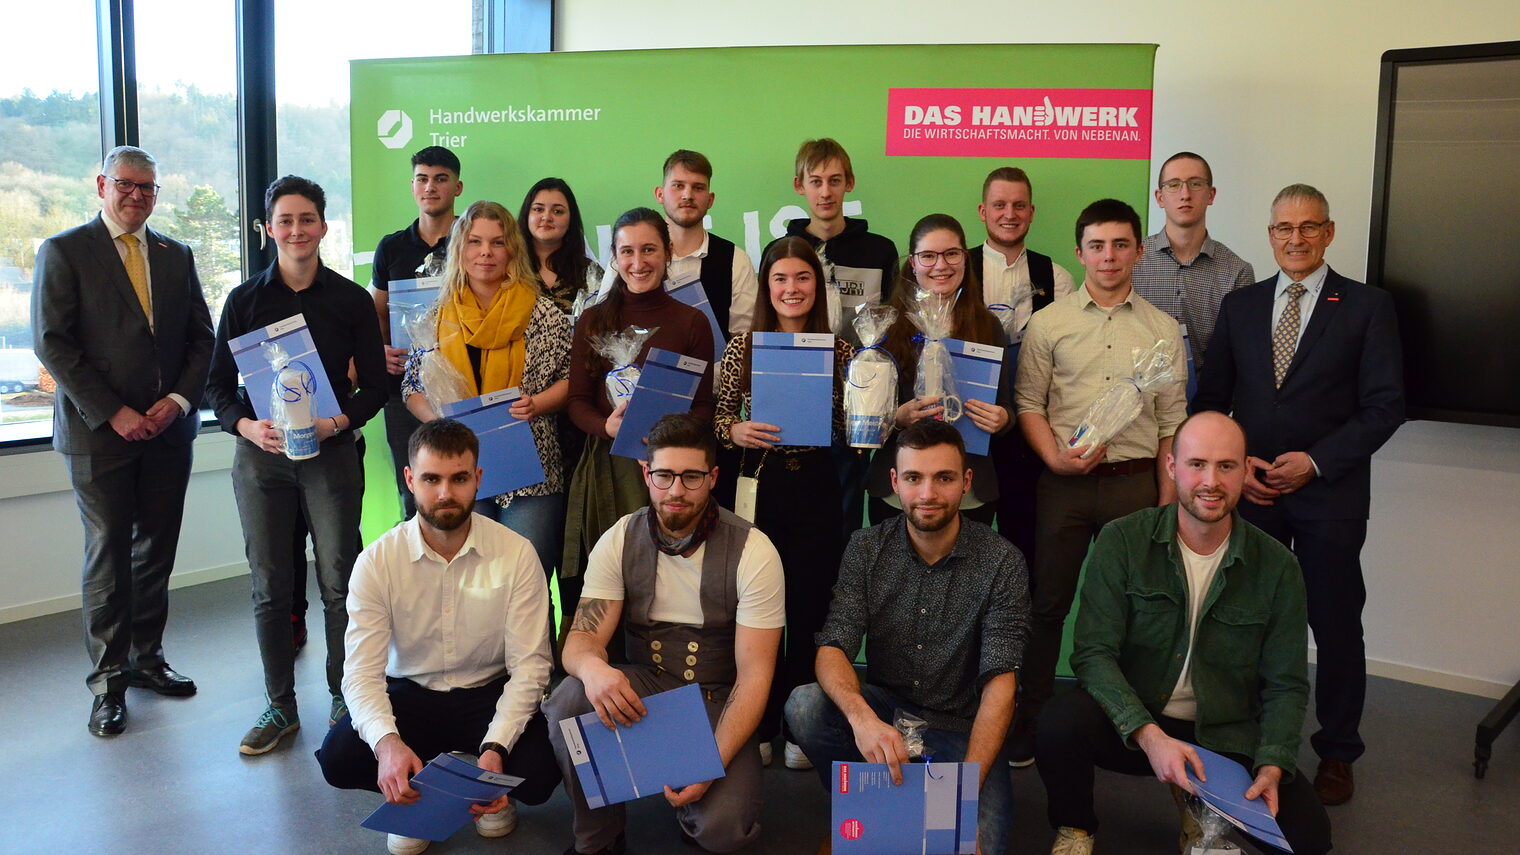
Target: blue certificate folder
[(667, 384), (408, 299), (672, 746), (446, 788), (508, 455), (792, 385), (691, 292), (1225, 792), (932, 811), (258, 376), (977, 369)]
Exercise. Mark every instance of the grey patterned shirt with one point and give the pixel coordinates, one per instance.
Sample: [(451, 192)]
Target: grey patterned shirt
[(1190, 292), (934, 635)]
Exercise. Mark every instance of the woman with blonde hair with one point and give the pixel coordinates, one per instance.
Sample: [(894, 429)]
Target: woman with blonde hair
[(497, 331)]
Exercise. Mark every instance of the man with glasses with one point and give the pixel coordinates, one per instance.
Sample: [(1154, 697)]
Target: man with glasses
[(705, 605), (1184, 272), (1310, 364), (1074, 351), (941, 603), (120, 322)]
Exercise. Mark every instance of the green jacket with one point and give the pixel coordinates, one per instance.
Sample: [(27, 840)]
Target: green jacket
[(1250, 671)]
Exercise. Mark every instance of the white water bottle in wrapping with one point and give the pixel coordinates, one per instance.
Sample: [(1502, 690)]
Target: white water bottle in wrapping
[(294, 389)]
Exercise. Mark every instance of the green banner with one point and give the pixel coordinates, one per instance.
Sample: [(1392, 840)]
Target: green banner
[(605, 121)]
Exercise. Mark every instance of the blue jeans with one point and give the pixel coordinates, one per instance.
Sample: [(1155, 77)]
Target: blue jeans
[(824, 735), (541, 519)]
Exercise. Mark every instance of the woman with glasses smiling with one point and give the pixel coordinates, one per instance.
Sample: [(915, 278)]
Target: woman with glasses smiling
[(936, 267), (798, 498)]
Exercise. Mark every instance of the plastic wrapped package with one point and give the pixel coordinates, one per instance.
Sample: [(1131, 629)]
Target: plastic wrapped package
[(1007, 313), (622, 350), (870, 393), (1214, 828), (912, 729), (441, 381), (934, 316), (290, 401), (1117, 408)]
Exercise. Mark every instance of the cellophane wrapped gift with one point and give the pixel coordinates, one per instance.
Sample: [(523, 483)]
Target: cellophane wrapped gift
[(870, 395), (1154, 367), (1007, 313), (1214, 828), (933, 314), (440, 380), (622, 350), (291, 397)]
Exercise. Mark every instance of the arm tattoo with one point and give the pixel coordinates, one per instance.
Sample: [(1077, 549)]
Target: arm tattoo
[(588, 615)]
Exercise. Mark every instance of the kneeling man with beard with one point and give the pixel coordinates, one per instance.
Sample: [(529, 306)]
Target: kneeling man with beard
[(447, 645), (943, 605)]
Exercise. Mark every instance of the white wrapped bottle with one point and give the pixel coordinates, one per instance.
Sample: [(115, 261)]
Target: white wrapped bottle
[(294, 389)]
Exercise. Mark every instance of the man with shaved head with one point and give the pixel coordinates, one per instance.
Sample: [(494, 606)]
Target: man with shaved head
[(1192, 629)]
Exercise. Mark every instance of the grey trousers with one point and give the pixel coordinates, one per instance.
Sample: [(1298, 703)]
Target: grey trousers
[(726, 818), (131, 506), (270, 488)]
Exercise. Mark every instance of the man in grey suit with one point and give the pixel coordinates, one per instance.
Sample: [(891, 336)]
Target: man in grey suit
[(120, 322)]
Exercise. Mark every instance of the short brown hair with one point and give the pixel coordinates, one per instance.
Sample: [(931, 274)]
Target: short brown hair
[(683, 430), (1007, 173), (822, 150), (929, 432), (1186, 155), (1108, 211), (692, 160), (445, 437)]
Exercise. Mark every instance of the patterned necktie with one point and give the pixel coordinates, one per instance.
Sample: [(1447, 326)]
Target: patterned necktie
[(1285, 337), (138, 274)]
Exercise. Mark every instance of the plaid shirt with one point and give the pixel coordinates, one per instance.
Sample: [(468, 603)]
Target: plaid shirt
[(1190, 292)]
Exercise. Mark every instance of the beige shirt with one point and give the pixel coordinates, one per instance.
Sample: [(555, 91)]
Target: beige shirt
[(1200, 570), (1075, 350)]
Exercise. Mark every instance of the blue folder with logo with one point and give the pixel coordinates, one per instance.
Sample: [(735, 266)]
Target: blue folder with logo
[(978, 368), (691, 292), (508, 454), (258, 376), (932, 811), (667, 384), (792, 385), (672, 746), (1225, 792), (410, 298), (446, 787)]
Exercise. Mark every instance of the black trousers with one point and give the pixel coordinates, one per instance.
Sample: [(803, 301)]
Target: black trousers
[(1330, 554), (799, 508), (433, 723), (1018, 473), (1075, 737), (399, 424)]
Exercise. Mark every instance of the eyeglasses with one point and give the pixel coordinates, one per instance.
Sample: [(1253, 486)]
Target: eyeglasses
[(125, 187), (1176, 185), (929, 257), (691, 479), (1283, 231)]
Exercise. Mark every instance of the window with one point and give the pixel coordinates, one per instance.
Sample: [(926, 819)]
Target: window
[(314, 42), (49, 155)]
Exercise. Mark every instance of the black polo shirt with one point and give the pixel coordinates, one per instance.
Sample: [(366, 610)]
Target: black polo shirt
[(399, 254)]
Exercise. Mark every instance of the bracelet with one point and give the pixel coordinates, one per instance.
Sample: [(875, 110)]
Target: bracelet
[(492, 746)]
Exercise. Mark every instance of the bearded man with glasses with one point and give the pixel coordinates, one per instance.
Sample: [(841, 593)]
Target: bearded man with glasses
[(120, 322), (705, 603)]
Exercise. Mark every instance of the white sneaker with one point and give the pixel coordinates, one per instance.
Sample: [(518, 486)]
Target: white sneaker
[(795, 759), (498, 824), (765, 754), (398, 845)]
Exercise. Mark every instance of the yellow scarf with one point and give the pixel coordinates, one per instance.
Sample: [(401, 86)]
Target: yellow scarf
[(499, 331)]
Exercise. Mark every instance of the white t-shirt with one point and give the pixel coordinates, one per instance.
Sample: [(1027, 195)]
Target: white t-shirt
[(678, 580), (1199, 570)]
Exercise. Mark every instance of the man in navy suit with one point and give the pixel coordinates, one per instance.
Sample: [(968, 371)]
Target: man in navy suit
[(120, 322), (1309, 363)]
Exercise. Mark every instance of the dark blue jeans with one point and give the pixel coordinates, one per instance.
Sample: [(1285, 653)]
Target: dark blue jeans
[(824, 735)]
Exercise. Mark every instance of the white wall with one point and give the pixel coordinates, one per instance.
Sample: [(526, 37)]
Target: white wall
[(1270, 94)]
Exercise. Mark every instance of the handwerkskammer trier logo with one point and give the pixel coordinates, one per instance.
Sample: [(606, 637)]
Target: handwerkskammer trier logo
[(394, 128)]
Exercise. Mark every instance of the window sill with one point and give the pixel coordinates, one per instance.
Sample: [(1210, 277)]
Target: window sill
[(42, 470)]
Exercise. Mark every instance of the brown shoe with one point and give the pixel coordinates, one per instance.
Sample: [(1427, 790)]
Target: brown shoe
[(1333, 783)]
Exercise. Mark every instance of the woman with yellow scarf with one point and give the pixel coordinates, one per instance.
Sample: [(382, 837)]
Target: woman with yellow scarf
[(497, 331)]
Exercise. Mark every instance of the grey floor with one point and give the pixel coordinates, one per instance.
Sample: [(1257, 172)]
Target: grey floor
[(175, 782)]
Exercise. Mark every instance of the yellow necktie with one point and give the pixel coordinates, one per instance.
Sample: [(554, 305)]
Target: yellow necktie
[(138, 273)]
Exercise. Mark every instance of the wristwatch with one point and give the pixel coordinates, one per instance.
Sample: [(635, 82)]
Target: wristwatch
[(493, 746)]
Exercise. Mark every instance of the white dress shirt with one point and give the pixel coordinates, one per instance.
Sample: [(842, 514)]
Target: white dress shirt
[(1314, 283), (141, 234), (447, 625)]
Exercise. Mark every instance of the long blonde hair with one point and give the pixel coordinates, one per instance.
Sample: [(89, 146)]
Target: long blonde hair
[(519, 268)]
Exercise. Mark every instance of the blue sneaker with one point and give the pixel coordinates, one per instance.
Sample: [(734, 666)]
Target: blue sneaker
[(266, 732)]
